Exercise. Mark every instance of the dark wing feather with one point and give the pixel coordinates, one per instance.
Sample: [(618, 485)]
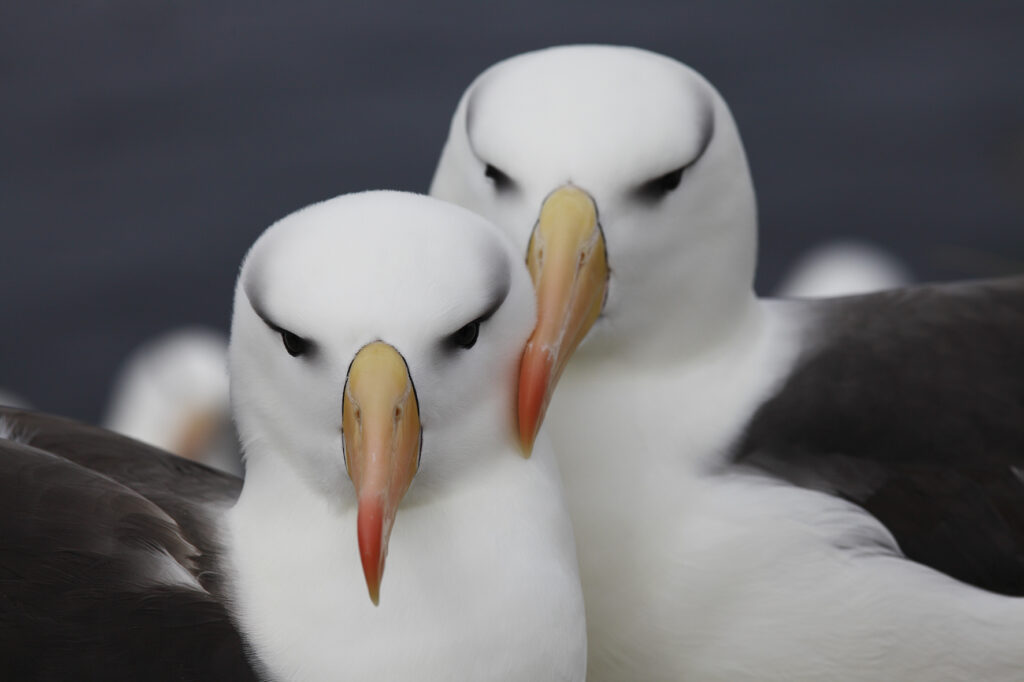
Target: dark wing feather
[(93, 581), (911, 404), (187, 491)]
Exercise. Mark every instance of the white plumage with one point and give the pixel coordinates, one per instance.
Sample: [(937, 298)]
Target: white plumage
[(481, 580), (374, 348), (692, 568), (842, 268)]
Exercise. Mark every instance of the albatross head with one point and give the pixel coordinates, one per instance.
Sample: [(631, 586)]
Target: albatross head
[(376, 340), (621, 177)]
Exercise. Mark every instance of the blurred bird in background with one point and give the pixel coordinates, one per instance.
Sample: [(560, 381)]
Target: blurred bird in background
[(843, 268), (172, 393)]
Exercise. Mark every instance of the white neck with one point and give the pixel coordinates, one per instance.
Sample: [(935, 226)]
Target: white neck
[(470, 574), (691, 327), (677, 404), (643, 433)]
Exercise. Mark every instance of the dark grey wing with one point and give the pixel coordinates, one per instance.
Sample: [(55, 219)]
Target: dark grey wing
[(189, 492), (911, 404), (98, 582)]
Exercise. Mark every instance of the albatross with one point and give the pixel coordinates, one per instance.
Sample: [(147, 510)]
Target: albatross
[(374, 350), (172, 392), (761, 490), (843, 267)]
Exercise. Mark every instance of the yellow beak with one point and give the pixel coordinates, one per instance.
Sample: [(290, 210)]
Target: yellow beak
[(381, 435), (567, 260)]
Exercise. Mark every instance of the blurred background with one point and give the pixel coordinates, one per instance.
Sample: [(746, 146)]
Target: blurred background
[(144, 145)]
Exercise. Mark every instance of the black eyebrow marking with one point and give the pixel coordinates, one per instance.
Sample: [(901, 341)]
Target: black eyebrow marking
[(707, 130), (655, 187), (267, 321), (276, 328), (257, 308), (499, 286), (502, 181), (706, 125)]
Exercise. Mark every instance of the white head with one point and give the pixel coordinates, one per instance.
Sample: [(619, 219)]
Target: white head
[(666, 193), (396, 318)]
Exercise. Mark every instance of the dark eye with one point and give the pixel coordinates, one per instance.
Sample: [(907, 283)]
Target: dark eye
[(661, 185), (466, 337), (293, 343), (500, 179)]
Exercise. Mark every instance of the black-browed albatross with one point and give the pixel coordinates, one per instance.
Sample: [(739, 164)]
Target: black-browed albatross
[(761, 490), (374, 351), (843, 267), (172, 392)]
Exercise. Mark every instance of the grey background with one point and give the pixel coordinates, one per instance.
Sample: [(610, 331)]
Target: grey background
[(144, 145)]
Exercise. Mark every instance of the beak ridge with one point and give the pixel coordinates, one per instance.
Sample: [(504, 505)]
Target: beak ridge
[(382, 439), (569, 266)]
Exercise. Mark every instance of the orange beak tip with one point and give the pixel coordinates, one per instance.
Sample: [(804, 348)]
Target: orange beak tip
[(534, 380), (529, 426), (371, 545)]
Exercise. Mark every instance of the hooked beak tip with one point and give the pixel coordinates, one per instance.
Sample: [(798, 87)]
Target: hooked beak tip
[(534, 380), (372, 546)]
